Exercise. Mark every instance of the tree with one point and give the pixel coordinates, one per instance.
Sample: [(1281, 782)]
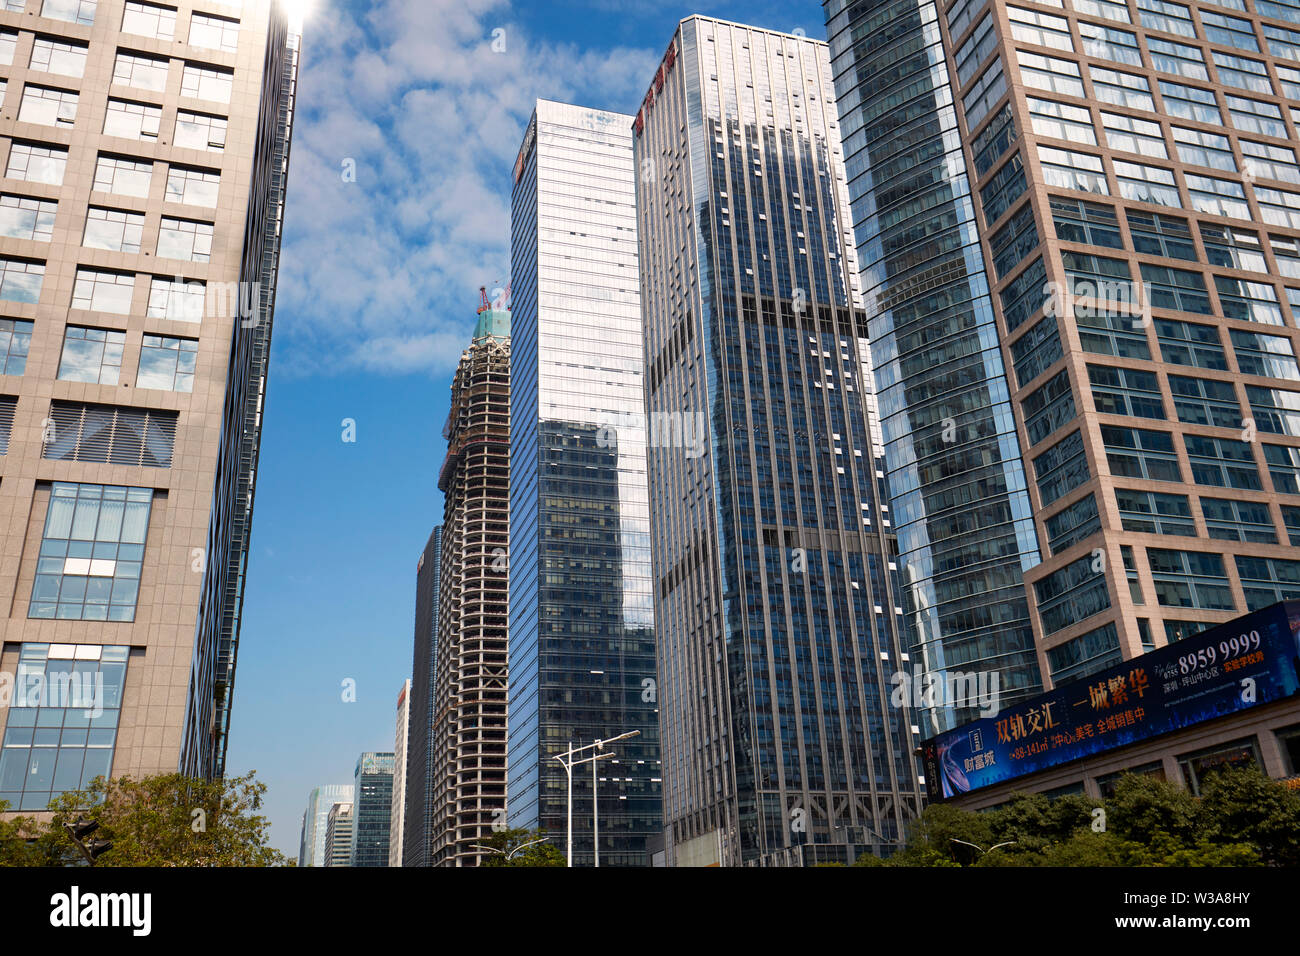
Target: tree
[(507, 843), (1241, 805), (165, 820), (16, 834)]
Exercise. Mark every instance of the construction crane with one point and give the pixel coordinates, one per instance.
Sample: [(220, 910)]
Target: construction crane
[(485, 304)]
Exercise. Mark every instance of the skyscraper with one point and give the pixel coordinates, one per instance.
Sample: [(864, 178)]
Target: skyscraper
[(397, 818), (417, 834), (468, 727), (779, 632), (315, 819), (339, 824), (372, 808), (1129, 288), (146, 152), (581, 614)]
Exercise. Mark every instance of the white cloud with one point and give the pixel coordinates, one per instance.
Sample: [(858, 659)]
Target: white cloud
[(382, 274)]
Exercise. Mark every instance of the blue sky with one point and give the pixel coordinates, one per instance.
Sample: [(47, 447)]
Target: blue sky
[(378, 287)]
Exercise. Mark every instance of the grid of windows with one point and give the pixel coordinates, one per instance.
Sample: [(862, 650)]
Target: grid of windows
[(207, 82), (1222, 462), (100, 291), (1140, 453), (167, 363), (1205, 401), (22, 217), (123, 176), (141, 71), (1190, 579), (194, 187), (93, 356), (132, 120), (113, 229), (176, 299), (1153, 512), (92, 552), (1266, 581), (15, 343), (185, 239), (61, 728), (1233, 520), (200, 131), (37, 163), (149, 20)]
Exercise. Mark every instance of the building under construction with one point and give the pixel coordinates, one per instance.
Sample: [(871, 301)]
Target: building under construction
[(468, 732)]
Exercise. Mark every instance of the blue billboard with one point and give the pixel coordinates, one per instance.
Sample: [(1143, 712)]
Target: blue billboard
[(1247, 662)]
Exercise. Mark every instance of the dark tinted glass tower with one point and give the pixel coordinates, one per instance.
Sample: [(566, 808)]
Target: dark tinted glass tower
[(582, 653), (419, 769), (372, 809), (773, 558)]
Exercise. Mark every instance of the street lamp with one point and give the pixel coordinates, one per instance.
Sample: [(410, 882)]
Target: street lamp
[(984, 852), (511, 854), (568, 760)]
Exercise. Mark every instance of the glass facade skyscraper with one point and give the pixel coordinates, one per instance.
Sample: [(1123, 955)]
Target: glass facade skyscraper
[(314, 846), (1130, 172), (372, 807), (417, 824), (582, 640), (773, 554), (961, 509)]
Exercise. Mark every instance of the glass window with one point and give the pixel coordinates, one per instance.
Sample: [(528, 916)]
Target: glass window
[(1288, 739), (1129, 134), (1049, 73), (216, 33), (207, 82), (1222, 463), (123, 175), (1166, 17), (1266, 581), (1152, 512), (1108, 43), (1199, 148), (972, 54), (1241, 72), (141, 71), (1255, 116), (15, 343), (176, 299), (21, 280), (1037, 350), (1177, 58), (22, 217), (1103, 332), (1286, 252), (1073, 524), (1040, 29), (1190, 102), (73, 11), (987, 90), (1190, 579), (1067, 169), (1090, 223), (1197, 768), (1049, 407), (1103, 8), (1122, 89), (1275, 410), (1248, 301), (1231, 520), (1126, 391), (91, 553), (1230, 31), (200, 131), (167, 363), (1262, 354), (1014, 241), (185, 239), (1281, 41), (1149, 184), (37, 163), (1157, 234), (1061, 468), (149, 20), (1217, 197), (1280, 9), (58, 56), (1283, 468), (1291, 516), (1023, 295), (92, 356), (1061, 121), (99, 291), (1074, 593), (113, 229), (132, 120), (994, 140), (62, 728), (1179, 290), (1278, 207), (1205, 401), (1265, 161), (1233, 248), (1003, 188), (1290, 80), (195, 187), (1102, 279), (1139, 453)]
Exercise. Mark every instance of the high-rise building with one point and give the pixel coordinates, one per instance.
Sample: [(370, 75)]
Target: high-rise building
[(468, 727), (417, 832), (146, 149), (582, 639), (779, 633), (1110, 201), (315, 819), (372, 809), (339, 824), (397, 818)]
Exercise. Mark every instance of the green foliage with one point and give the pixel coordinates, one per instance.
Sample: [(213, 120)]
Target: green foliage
[(16, 834), (507, 844), (164, 820), (1243, 819)]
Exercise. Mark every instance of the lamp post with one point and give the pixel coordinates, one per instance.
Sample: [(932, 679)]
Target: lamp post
[(511, 854), (568, 760)]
